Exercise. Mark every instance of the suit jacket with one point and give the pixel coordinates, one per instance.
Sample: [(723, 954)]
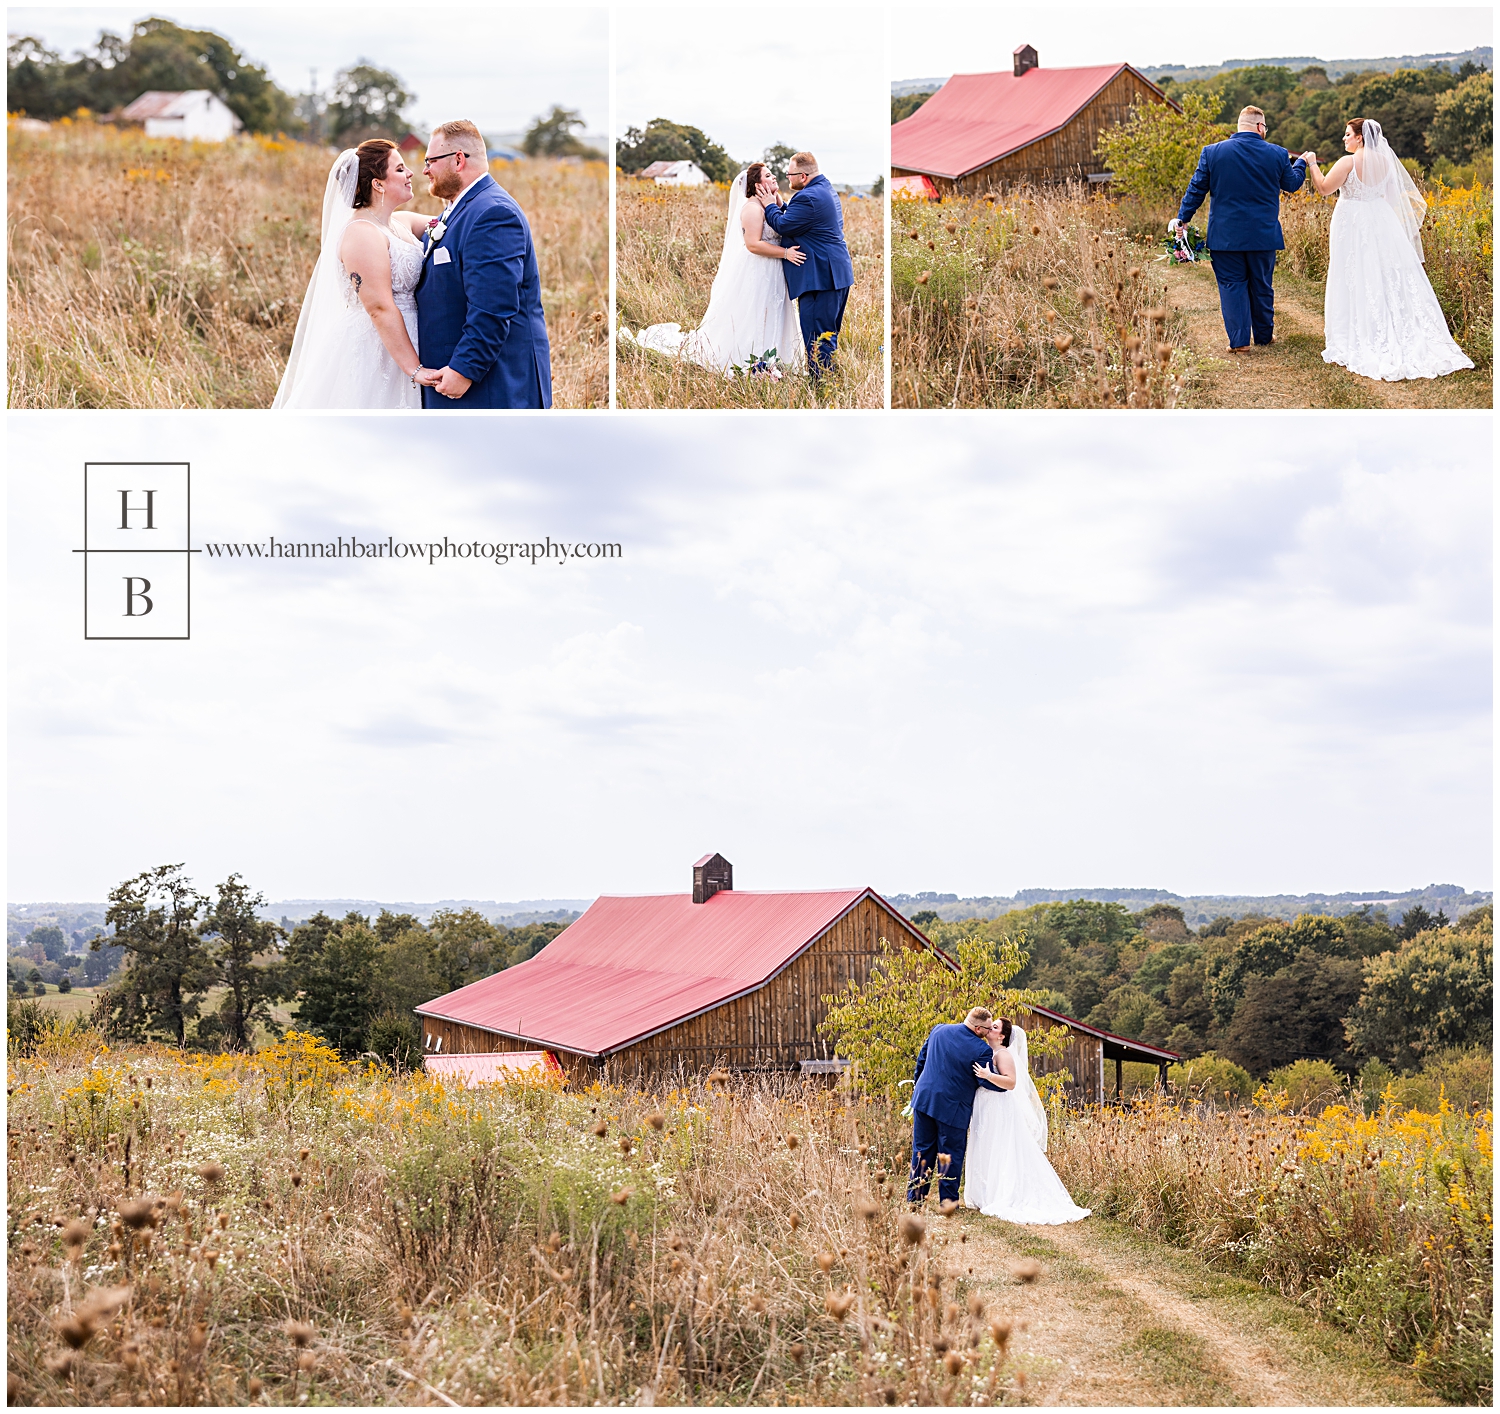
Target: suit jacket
[(480, 312), (1245, 176), (945, 1073), (813, 220)]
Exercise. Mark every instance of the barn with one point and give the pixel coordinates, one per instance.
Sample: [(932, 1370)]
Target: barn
[(195, 114), (645, 986), (983, 132), (1085, 1055), (675, 174)]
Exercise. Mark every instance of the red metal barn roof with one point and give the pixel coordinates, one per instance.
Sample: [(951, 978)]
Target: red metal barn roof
[(495, 1066), (976, 119), (630, 967)]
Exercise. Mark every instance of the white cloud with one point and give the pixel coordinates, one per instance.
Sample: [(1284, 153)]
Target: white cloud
[(1239, 653)]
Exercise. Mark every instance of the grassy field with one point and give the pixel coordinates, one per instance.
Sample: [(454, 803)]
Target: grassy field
[(1056, 298), (668, 243), (162, 274), (285, 1228)]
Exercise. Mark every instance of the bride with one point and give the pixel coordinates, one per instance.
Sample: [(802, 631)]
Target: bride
[(749, 310), (1380, 316), (1006, 1173), (356, 339)]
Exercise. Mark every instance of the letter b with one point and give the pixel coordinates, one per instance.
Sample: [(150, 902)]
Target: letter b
[(132, 594)]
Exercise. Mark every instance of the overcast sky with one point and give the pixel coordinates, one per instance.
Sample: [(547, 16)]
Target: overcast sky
[(940, 40), (499, 66), (1252, 656), (814, 78)]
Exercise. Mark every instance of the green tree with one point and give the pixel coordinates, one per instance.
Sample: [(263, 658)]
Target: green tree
[(882, 1025), (1210, 1077), (157, 55), (239, 936), (1154, 152), (336, 971), (1295, 1013), (1437, 990), (877, 187), (904, 105), (552, 135), (524, 943), (1417, 919), (1268, 949), (168, 969), (53, 943), (1308, 1084), (664, 141), (405, 973), (778, 157), (1405, 104), (366, 102), (1129, 1011), (1463, 120), (466, 947)]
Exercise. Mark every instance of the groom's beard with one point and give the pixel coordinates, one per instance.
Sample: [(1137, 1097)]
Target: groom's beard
[(445, 185)]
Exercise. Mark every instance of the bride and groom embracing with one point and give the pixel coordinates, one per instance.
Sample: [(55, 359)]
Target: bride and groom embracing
[(977, 1119), (775, 252), (404, 311)]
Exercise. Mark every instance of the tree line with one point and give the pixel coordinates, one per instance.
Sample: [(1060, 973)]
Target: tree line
[(207, 971), (364, 100), (1261, 992)]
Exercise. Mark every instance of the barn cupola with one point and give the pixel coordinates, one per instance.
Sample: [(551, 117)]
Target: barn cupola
[(710, 874), (1023, 59)]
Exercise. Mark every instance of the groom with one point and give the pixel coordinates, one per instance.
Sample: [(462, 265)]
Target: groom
[(814, 220), (1244, 176), (479, 296), (942, 1103)]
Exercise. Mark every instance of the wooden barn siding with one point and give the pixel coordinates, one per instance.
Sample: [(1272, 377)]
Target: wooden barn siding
[(1067, 154), (777, 1026), (1082, 1056)]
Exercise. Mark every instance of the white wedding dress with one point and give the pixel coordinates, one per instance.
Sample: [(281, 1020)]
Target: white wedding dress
[(1380, 316), (749, 310), (1006, 1173), (338, 359)]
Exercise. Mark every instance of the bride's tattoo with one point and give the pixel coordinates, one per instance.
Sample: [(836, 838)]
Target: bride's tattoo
[(355, 280)]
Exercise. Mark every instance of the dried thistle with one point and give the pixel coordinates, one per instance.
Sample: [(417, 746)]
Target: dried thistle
[(838, 1306), (1027, 1270), (657, 1122), (913, 1229), (826, 1262), (298, 1332), (211, 1172)]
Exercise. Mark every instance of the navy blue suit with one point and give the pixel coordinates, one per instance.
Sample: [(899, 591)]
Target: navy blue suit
[(480, 311), (942, 1105), (813, 221), (1244, 176)]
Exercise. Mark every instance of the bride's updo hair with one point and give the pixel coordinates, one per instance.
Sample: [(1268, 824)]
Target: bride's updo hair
[(1358, 125), (374, 158), (753, 174), (1005, 1030)]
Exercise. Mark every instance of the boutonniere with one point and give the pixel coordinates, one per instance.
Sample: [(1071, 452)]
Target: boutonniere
[(436, 227)]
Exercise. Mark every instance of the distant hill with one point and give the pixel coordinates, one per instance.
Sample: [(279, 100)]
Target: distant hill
[(1482, 55), (1198, 909)]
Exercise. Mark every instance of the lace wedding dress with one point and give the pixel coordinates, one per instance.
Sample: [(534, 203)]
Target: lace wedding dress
[(1380, 316), (1006, 1173), (749, 310), (338, 359)]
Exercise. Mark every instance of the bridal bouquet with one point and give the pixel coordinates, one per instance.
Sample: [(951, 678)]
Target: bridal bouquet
[(1184, 245), (767, 365)]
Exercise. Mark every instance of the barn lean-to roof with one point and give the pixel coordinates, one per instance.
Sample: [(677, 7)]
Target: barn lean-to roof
[(633, 966), (976, 119)]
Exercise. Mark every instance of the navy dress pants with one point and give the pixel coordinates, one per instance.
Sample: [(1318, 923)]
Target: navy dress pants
[(929, 1138), (821, 312), (1246, 296)]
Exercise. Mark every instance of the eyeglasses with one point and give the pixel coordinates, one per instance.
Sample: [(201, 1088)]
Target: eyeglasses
[(439, 158)]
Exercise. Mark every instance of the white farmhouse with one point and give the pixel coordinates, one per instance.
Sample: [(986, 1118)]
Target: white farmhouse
[(676, 174), (196, 114)]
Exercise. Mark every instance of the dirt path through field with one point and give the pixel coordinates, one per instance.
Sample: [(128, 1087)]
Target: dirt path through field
[(1118, 1319), (1290, 373)]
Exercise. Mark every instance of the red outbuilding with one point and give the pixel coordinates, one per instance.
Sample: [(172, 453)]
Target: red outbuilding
[(982, 132)]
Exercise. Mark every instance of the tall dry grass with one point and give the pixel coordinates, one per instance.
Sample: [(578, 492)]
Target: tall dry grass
[(1034, 298), (285, 1228), (668, 243), (1381, 1223), (162, 274)]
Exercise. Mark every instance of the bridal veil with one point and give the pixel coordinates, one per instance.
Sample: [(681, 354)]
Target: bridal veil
[(1381, 172)]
